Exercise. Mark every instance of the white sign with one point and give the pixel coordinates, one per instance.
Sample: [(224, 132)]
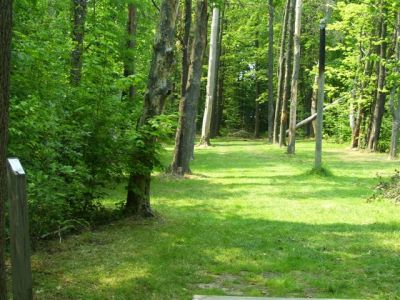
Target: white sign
[(16, 166)]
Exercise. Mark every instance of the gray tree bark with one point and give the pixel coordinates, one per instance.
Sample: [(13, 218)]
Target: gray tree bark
[(79, 11), (321, 96), (271, 73), (159, 87), (5, 57), (211, 79), (186, 46), (281, 75), (221, 77), (314, 103), (185, 134), (218, 96), (381, 94), (129, 66), (291, 149), (257, 108), (287, 79), (395, 93)]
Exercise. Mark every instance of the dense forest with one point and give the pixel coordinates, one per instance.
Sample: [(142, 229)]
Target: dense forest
[(92, 91)]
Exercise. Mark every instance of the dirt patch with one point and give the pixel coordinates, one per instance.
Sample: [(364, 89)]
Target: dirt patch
[(232, 284)]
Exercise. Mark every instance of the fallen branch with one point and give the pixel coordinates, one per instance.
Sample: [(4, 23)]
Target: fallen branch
[(314, 116)]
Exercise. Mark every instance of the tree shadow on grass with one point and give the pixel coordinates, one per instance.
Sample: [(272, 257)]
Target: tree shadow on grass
[(209, 253), (302, 186)]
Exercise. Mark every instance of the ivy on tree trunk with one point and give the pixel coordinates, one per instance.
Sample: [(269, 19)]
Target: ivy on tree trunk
[(159, 87)]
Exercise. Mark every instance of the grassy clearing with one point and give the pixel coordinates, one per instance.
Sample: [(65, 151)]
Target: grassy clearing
[(250, 221)]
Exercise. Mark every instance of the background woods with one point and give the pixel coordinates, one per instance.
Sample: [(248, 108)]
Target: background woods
[(80, 74), (93, 90)]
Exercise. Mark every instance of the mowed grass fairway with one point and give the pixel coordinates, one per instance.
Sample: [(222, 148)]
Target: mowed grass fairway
[(250, 221)]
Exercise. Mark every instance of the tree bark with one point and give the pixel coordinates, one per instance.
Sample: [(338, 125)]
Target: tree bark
[(186, 46), (271, 73), (381, 94), (215, 119), (395, 93), (221, 75), (321, 95), (287, 79), (281, 75), (185, 134), (211, 79), (79, 11), (356, 134), (159, 87), (257, 107), (129, 67), (291, 149), (5, 57), (257, 111), (314, 103)]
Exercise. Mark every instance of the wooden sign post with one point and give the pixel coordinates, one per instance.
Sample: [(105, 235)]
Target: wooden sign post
[(19, 230)]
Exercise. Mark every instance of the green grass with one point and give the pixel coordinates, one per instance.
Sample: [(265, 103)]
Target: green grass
[(250, 221)]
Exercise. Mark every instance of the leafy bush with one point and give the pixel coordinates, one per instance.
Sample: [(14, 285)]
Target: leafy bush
[(388, 189)]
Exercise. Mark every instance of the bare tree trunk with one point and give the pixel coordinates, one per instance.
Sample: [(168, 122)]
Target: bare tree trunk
[(221, 73), (159, 87), (78, 33), (214, 131), (381, 94), (271, 73), (5, 57), (129, 67), (211, 79), (281, 76), (257, 107), (314, 103), (357, 128), (355, 139), (395, 93), (321, 95), (188, 107), (291, 149), (186, 46), (257, 111), (220, 97), (287, 79)]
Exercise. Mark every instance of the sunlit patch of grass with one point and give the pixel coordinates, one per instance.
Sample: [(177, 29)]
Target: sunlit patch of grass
[(250, 221)]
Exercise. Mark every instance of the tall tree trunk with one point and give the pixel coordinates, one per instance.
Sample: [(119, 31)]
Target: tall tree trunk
[(185, 134), (78, 32), (395, 93), (291, 149), (321, 95), (287, 79), (159, 87), (314, 103), (220, 97), (215, 119), (357, 132), (257, 112), (129, 67), (271, 73), (381, 94), (211, 79), (186, 46), (221, 74), (5, 57), (257, 107), (281, 75)]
